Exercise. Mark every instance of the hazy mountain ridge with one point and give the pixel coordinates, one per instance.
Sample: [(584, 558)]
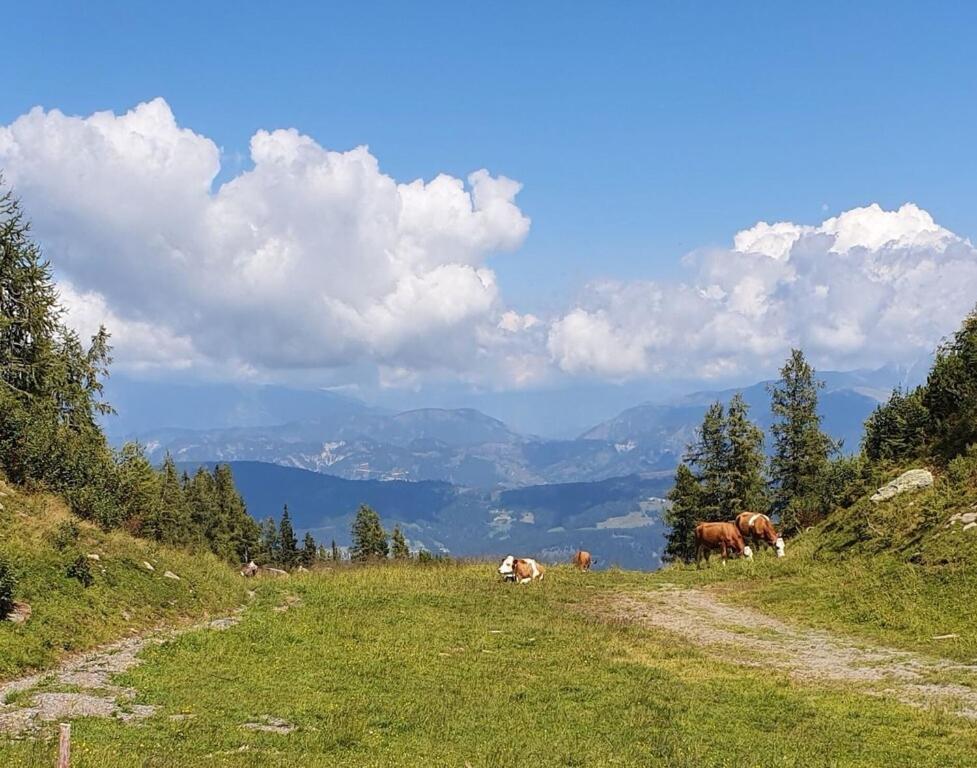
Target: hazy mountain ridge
[(347, 438)]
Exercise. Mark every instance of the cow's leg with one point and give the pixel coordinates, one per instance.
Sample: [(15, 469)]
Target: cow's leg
[(698, 556), (723, 551)]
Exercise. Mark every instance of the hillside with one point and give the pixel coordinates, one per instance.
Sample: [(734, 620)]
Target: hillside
[(41, 539), (901, 571), (619, 517)]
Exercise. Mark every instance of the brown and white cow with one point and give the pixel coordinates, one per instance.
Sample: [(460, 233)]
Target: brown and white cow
[(582, 560), (757, 528), (724, 537), (520, 569), (250, 570)]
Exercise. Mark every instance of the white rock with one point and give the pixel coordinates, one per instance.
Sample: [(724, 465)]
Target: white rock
[(908, 481), (147, 565), (970, 526), (171, 575), (970, 517), (93, 556)]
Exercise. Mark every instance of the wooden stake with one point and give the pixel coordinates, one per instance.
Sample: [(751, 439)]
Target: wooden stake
[(64, 746)]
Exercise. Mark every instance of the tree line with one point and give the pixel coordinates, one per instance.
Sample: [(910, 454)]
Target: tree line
[(51, 397), (725, 470)]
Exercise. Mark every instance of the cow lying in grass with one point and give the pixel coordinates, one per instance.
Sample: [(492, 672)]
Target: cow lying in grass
[(757, 528), (520, 569), (724, 537)]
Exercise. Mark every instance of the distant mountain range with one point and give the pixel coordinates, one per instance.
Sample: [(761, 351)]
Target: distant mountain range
[(618, 520), (332, 434)]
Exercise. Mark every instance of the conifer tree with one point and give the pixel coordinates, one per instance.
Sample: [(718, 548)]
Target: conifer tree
[(334, 554), (270, 548), (399, 547), (682, 516), (369, 539), (287, 541), (138, 489), (708, 457), (801, 449), (746, 484), (950, 394), (308, 554), (172, 523)]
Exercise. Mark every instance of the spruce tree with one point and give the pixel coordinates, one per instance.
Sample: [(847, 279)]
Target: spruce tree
[(950, 394), (270, 547), (682, 516), (746, 485), (334, 554), (801, 449), (369, 539), (308, 554), (287, 541), (138, 489), (708, 457), (172, 524), (398, 543)]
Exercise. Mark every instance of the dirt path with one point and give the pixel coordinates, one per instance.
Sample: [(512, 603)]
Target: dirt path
[(745, 636), (83, 687)]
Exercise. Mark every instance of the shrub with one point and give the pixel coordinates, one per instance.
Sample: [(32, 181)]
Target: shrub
[(81, 569), (8, 583), (66, 534)]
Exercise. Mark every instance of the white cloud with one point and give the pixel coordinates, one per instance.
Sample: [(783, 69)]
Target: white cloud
[(312, 258), (316, 259), (863, 288)]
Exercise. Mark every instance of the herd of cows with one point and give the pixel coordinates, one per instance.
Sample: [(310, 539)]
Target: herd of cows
[(725, 538)]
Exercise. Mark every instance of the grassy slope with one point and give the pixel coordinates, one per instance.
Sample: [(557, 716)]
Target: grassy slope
[(68, 617), (892, 572), (399, 666)]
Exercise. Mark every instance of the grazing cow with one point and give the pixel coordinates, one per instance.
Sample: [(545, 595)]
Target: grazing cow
[(725, 537), (758, 529), (520, 569), (582, 560), (251, 569)]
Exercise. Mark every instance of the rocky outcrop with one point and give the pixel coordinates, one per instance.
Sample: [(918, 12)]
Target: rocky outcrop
[(912, 480)]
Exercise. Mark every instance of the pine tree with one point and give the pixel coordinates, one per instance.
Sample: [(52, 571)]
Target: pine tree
[(138, 489), (746, 485), (270, 547), (399, 547), (334, 554), (172, 523), (708, 457), (897, 429), (369, 539), (682, 515), (801, 449), (308, 554), (950, 394), (287, 541)]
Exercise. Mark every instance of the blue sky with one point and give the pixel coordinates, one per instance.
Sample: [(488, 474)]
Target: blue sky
[(639, 131)]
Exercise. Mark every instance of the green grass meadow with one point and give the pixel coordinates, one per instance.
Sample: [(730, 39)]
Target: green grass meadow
[(446, 666)]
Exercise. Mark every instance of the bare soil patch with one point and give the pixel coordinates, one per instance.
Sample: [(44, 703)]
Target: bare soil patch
[(745, 636), (83, 686)]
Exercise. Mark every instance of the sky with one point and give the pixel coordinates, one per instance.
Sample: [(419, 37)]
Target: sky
[(505, 196)]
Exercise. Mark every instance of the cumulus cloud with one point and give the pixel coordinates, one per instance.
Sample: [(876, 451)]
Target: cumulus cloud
[(863, 288), (316, 259), (312, 258)]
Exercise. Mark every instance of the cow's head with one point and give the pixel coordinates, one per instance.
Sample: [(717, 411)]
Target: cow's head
[(506, 569), (748, 552), (779, 544)]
